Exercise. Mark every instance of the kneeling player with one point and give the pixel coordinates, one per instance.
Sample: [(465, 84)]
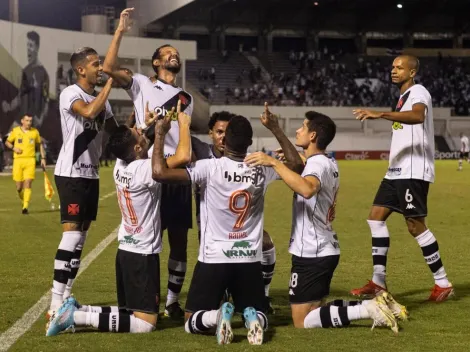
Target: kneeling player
[(314, 244), (232, 202), (137, 259), (217, 126)]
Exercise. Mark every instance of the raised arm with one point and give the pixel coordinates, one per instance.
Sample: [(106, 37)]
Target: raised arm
[(160, 171), (182, 155), (271, 122), (415, 116), (306, 186), (110, 65), (93, 109)]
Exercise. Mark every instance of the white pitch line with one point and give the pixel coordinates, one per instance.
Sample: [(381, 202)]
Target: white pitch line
[(10, 336)]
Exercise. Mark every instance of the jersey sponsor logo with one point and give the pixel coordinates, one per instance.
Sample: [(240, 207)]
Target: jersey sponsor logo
[(90, 131), (410, 206), (129, 240), (232, 253), (251, 177), (397, 126), (133, 230), (73, 209), (394, 171), (241, 244), (237, 235), (87, 166), (291, 292), (159, 88), (123, 179)]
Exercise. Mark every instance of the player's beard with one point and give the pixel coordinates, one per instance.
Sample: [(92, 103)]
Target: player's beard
[(173, 68)]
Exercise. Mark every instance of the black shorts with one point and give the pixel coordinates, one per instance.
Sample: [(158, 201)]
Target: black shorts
[(176, 206), (463, 155), (243, 280), (138, 281), (405, 196), (310, 278), (78, 198)]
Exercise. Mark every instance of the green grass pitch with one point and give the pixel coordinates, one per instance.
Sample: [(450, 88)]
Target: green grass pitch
[(28, 245)]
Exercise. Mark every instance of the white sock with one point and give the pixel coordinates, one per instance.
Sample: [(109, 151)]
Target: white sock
[(64, 255), (171, 297), (358, 312), (430, 249), (380, 246)]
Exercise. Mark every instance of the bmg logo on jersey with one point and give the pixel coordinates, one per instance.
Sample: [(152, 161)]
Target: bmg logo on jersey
[(249, 176)]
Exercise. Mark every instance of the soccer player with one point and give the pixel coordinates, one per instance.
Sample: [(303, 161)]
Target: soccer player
[(139, 237), (314, 244), (405, 187), (232, 202), (161, 93), (84, 115), (23, 141), (33, 96), (464, 149), (217, 126)]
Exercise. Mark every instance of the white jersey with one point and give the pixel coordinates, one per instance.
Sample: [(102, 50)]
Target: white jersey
[(412, 150), (82, 138), (161, 97), (312, 234), (464, 147), (232, 207), (139, 199)]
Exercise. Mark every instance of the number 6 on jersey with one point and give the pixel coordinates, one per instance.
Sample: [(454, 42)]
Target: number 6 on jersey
[(239, 204)]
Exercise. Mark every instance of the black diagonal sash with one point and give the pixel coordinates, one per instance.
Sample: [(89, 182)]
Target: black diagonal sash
[(172, 102), (87, 136), (402, 102)]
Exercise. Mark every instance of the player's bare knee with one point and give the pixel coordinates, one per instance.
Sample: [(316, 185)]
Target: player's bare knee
[(416, 226), (378, 213), (148, 318), (267, 242), (27, 183)]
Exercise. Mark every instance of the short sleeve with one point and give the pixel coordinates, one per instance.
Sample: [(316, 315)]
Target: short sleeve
[(12, 136), (199, 171), (419, 96), (144, 173), (315, 169), (67, 98), (109, 111), (38, 137), (270, 174), (135, 88)]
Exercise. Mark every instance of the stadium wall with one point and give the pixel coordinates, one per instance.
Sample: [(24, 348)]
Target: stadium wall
[(18, 78)]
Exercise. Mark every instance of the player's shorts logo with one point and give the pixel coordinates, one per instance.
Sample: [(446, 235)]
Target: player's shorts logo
[(73, 209)]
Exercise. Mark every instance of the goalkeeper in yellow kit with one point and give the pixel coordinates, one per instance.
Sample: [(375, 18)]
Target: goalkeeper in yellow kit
[(23, 141)]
